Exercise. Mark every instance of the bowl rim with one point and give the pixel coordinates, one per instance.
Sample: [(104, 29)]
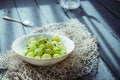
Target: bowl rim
[(67, 54)]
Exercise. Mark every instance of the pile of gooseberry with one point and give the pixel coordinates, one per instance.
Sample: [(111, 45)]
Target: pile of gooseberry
[(45, 48)]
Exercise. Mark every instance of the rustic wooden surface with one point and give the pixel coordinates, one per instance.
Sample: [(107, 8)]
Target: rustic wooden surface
[(101, 20)]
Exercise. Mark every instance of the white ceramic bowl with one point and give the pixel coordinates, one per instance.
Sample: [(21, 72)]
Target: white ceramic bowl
[(19, 46)]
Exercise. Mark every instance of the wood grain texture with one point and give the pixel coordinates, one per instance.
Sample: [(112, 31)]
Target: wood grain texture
[(51, 11), (113, 6), (100, 73), (103, 68), (28, 10), (107, 42), (42, 12), (106, 53), (108, 20), (9, 31)]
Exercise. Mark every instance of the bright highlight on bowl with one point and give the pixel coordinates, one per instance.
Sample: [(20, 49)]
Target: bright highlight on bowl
[(43, 49)]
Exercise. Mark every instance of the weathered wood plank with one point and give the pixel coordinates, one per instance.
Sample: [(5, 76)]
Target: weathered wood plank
[(51, 11), (106, 54), (104, 73), (97, 29), (101, 72), (9, 31), (103, 69), (109, 43), (28, 10), (113, 6), (104, 17), (24, 8)]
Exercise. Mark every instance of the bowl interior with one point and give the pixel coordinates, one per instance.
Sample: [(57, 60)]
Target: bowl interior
[(19, 45)]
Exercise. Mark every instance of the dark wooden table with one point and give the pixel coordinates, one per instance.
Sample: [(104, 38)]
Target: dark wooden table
[(101, 17)]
